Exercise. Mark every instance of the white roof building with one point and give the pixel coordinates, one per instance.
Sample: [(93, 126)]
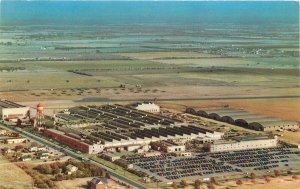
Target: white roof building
[(147, 107), (11, 110)]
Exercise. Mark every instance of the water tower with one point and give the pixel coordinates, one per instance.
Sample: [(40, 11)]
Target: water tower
[(39, 117)]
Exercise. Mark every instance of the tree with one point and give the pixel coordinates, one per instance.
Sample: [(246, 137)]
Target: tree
[(44, 168), (267, 179), (174, 186), (239, 182), (213, 180), (50, 183), (197, 184), (107, 175), (59, 177), (19, 148), (295, 177), (183, 183), (252, 177), (211, 186), (276, 173), (19, 123)]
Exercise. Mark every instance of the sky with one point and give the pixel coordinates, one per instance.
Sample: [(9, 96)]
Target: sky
[(152, 0)]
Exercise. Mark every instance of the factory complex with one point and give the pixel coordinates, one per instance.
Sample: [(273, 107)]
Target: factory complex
[(160, 144), (114, 128)]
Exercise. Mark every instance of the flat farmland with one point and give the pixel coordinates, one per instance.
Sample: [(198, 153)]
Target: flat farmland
[(166, 55), (40, 80), (283, 108), (52, 80)]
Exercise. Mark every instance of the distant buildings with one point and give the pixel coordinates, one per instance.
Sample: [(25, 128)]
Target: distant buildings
[(147, 107), (11, 110)]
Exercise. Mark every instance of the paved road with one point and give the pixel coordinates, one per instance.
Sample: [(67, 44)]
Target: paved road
[(74, 155), (97, 99)]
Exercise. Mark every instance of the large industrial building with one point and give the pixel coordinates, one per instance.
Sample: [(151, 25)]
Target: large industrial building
[(10, 110), (93, 129), (244, 143), (246, 119)]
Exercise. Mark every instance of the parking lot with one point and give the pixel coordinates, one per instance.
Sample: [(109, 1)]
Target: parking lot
[(206, 165)]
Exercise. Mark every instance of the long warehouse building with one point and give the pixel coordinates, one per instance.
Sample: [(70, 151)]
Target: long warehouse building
[(11, 110), (245, 143)]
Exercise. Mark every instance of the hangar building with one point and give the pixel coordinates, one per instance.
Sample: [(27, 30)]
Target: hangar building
[(11, 110), (246, 119)]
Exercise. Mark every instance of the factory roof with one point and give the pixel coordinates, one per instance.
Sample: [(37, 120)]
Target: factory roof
[(9, 104), (241, 117), (142, 103)]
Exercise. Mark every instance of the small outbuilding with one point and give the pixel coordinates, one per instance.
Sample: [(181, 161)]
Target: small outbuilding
[(99, 183)]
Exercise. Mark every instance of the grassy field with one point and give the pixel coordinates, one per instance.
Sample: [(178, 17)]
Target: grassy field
[(81, 183), (11, 176), (284, 108), (165, 55)]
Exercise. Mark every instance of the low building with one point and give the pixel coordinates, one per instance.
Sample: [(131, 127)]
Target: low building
[(111, 156), (43, 153), (147, 107), (15, 140), (243, 143), (32, 149), (44, 157), (11, 110), (167, 147), (26, 158), (3, 132), (99, 183), (6, 150), (150, 154), (73, 142), (71, 169), (185, 154), (36, 148)]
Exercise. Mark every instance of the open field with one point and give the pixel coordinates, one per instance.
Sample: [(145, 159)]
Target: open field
[(282, 182), (283, 108), (166, 55), (11, 176), (81, 183), (278, 183)]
